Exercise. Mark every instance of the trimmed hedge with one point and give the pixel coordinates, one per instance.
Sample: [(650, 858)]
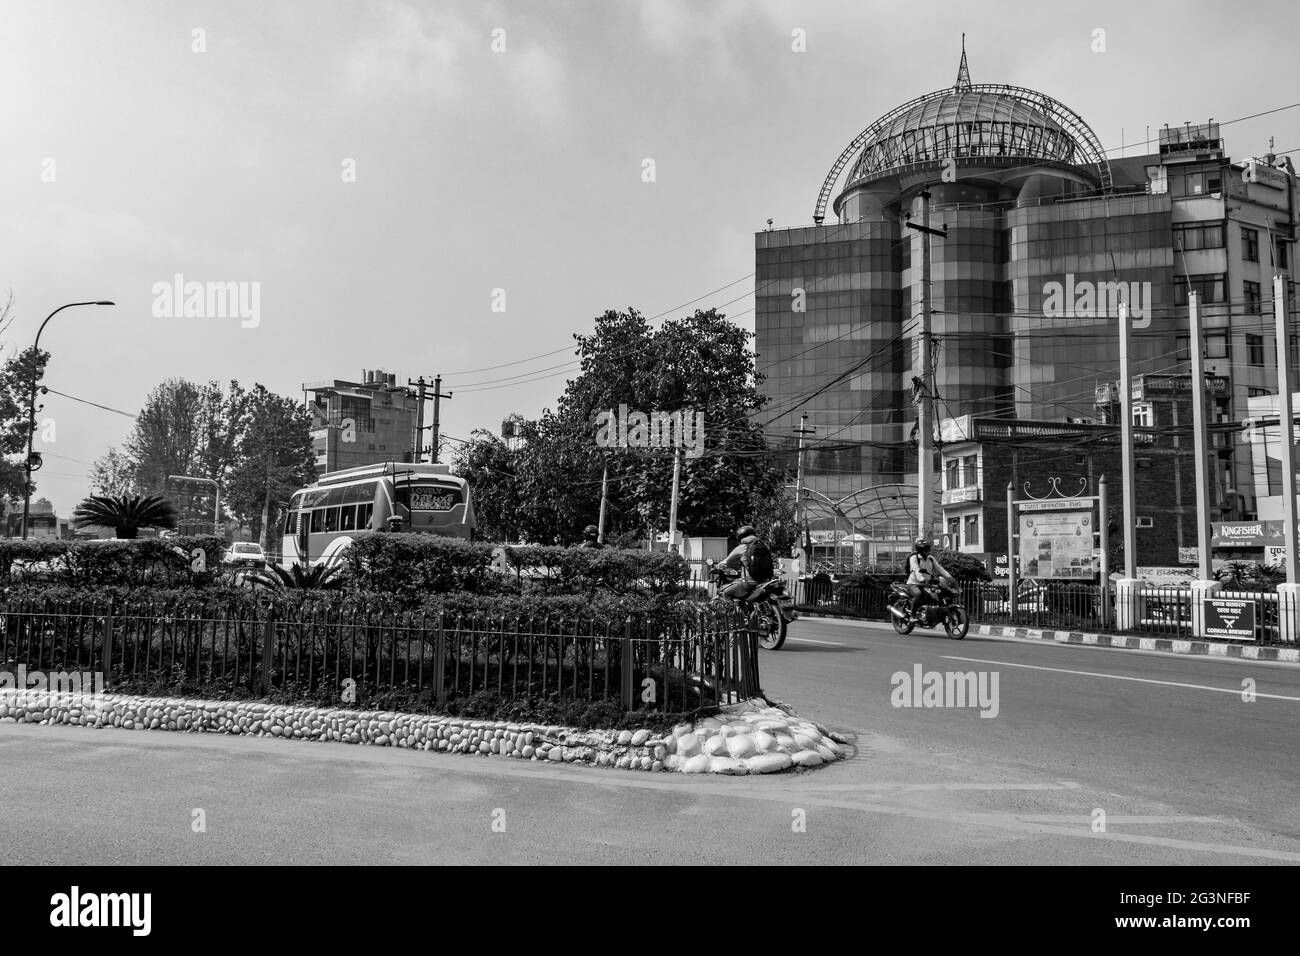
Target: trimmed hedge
[(417, 567), (162, 562)]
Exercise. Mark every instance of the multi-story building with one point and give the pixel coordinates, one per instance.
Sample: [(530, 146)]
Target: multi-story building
[(361, 423), (1046, 235)]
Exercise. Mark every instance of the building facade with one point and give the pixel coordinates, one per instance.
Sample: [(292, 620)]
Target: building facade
[(1045, 237), (361, 423)]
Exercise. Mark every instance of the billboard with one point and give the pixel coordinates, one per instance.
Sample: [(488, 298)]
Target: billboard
[(1230, 618), (1057, 544)]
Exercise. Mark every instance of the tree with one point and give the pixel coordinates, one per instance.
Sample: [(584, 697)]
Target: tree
[(16, 377), (701, 363), (126, 516), (113, 474), (272, 459), (487, 463)]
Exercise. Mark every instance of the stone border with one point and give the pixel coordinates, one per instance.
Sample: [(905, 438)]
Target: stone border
[(626, 749), (1168, 645)]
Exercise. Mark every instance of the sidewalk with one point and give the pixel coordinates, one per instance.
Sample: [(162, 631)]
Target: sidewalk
[(1167, 645)]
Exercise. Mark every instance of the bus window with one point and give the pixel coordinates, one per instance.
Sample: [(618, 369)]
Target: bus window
[(363, 514), (348, 518), (318, 521), (331, 519), (290, 522)]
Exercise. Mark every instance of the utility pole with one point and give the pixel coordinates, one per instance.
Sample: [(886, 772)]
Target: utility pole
[(417, 449), (1128, 491), (801, 431), (672, 507), (438, 394), (1200, 444), (1286, 423), (604, 497), (925, 409)]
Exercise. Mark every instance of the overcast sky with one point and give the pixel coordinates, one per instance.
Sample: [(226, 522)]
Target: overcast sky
[(478, 170)]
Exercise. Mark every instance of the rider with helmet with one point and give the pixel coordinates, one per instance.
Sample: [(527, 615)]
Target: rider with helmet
[(591, 537), (923, 569), (745, 584)]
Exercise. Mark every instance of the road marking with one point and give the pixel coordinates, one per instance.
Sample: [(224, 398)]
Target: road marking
[(809, 640), (1140, 680), (923, 787)]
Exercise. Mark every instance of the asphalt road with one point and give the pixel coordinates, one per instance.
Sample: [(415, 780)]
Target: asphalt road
[(1184, 770)]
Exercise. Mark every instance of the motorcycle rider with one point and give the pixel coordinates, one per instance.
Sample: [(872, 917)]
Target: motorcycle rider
[(923, 569), (744, 585), (591, 537)]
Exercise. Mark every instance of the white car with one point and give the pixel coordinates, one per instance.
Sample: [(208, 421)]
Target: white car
[(245, 553)]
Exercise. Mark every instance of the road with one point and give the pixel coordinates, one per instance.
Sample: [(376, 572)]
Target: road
[(1184, 770)]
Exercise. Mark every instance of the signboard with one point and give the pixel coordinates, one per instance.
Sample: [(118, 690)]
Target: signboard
[(1056, 543), (1051, 504), (1247, 534), (1230, 618), (430, 499), (1169, 576), (1189, 555), (956, 496), (1274, 555)]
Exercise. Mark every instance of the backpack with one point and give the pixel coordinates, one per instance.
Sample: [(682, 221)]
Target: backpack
[(758, 561)]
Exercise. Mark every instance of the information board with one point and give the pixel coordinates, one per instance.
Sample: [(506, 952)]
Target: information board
[(1230, 617), (1057, 544)]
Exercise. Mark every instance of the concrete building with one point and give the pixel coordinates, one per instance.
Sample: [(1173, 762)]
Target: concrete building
[(1046, 236), (361, 423)]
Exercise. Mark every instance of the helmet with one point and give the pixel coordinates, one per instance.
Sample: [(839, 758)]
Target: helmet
[(745, 530), (591, 531), (923, 545)]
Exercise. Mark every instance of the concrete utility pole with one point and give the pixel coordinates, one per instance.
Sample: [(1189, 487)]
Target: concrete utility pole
[(1200, 441), (800, 521), (1286, 424), (1126, 437), (925, 410), (604, 497), (672, 507), (438, 394)]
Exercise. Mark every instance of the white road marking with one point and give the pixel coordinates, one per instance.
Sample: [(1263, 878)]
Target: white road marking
[(809, 640), (1140, 680)]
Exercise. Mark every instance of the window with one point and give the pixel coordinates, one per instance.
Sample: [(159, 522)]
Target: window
[(1216, 346), (318, 521), (1193, 236), (954, 529), (1142, 414), (970, 469), (290, 522), (953, 476), (1145, 522), (1182, 349), (363, 515), (972, 529), (331, 519), (348, 518), (1255, 350), (1250, 244), (1250, 290), (1203, 182), (1283, 255), (1208, 289)]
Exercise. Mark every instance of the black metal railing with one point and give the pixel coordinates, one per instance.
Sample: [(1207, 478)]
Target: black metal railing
[(676, 661)]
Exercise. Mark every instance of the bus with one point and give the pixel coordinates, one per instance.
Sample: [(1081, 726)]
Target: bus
[(323, 518)]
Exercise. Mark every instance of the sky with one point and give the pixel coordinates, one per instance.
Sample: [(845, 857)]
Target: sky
[(379, 174)]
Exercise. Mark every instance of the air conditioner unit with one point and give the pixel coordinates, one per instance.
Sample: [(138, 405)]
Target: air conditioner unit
[(1144, 521)]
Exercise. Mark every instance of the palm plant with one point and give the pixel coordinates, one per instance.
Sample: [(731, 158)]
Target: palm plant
[(125, 515), (321, 577)]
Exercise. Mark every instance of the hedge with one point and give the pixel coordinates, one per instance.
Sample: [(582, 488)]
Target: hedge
[(165, 562)]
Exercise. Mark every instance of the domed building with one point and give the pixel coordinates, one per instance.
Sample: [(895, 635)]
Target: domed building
[(1042, 235)]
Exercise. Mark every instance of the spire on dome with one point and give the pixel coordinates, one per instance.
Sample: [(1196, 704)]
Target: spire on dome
[(963, 71)]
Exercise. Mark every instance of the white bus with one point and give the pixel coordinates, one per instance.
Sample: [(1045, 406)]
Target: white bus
[(323, 518)]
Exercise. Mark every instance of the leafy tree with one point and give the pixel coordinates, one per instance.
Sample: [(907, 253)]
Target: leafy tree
[(273, 458), (701, 363), (113, 474), (16, 377), (126, 516), (488, 464)]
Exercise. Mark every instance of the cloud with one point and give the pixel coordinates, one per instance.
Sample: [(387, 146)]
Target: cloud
[(409, 54)]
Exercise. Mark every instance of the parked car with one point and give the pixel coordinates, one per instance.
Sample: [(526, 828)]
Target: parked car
[(245, 554)]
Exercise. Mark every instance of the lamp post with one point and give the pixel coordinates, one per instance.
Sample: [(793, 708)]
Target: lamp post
[(216, 523), (31, 413)]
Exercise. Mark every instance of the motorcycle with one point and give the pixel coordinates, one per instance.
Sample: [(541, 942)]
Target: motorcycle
[(940, 609), (774, 607)]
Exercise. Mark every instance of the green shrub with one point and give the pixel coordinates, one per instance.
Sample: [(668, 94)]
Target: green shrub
[(163, 562)]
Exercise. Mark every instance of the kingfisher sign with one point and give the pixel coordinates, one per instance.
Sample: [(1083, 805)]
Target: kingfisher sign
[(1247, 534)]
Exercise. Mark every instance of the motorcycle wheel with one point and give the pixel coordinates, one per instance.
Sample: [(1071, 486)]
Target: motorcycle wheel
[(901, 626), (772, 635), (956, 623)]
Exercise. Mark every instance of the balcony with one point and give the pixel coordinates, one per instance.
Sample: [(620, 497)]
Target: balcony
[(960, 496)]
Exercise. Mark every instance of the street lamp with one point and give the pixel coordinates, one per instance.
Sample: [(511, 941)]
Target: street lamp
[(31, 415), (216, 523)]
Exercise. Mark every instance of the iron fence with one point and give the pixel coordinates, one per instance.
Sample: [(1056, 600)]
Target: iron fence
[(679, 661)]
